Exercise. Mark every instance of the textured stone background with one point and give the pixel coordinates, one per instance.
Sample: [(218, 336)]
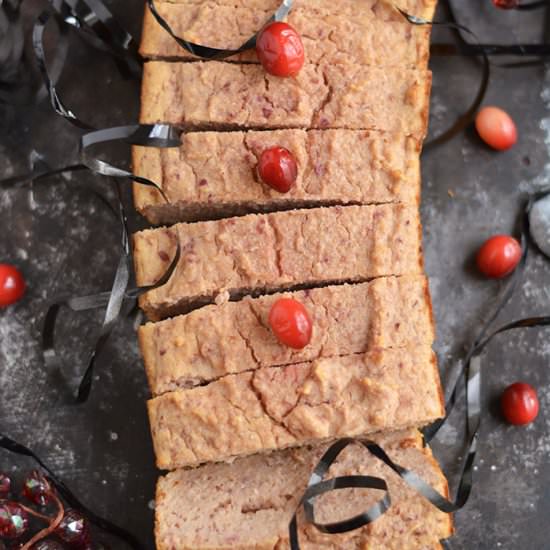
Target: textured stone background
[(65, 242)]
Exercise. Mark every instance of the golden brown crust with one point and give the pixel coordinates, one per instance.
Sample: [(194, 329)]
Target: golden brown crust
[(443, 489)]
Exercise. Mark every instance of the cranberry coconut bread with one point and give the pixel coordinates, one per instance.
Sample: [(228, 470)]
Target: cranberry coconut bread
[(249, 503), (382, 9), (334, 167), (218, 95), (365, 39), (258, 253), (214, 341), (277, 407)]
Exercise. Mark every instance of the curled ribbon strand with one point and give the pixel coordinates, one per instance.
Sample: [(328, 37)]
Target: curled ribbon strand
[(157, 135), (468, 116), (206, 52)]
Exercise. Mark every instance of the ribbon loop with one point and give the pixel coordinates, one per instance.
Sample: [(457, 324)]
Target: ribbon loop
[(207, 52)]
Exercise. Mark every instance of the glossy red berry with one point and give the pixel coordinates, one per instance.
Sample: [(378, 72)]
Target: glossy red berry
[(496, 128), (290, 322), (277, 168), (506, 4), (12, 285), (37, 489), (520, 404), (280, 49), (14, 521), (5, 486), (498, 256), (74, 529)]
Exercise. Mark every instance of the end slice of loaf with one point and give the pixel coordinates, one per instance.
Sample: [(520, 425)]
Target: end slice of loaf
[(258, 253), (214, 341), (249, 503), (328, 38), (334, 167), (278, 407), (218, 95)]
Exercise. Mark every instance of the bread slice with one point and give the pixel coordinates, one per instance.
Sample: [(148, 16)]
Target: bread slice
[(249, 503), (334, 167), (215, 341), (328, 38), (382, 9), (217, 95), (278, 407), (259, 253)]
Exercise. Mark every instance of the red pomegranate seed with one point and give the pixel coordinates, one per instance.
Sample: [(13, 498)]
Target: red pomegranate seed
[(14, 521), (37, 489)]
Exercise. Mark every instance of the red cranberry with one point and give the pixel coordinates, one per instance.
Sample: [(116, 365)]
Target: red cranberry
[(290, 322), (498, 256), (14, 521), (496, 128), (520, 404), (280, 49), (12, 285), (37, 489), (506, 4), (278, 169)]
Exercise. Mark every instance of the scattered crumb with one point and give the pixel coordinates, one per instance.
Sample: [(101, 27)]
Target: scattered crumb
[(222, 298)]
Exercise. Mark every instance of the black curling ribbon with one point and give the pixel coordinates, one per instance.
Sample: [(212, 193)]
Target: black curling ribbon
[(206, 52), (464, 120), (465, 48), (155, 135), (469, 375), (112, 300), (69, 497), (103, 30), (537, 4)]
